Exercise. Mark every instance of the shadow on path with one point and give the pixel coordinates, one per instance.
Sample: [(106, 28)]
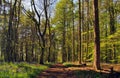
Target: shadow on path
[(61, 71)]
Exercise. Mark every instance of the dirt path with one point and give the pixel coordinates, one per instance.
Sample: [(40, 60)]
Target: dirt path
[(57, 71), (60, 71)]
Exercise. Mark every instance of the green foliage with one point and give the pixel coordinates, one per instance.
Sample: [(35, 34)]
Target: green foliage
[(20, 70), (63, 13), (118, 59), (68, 64)]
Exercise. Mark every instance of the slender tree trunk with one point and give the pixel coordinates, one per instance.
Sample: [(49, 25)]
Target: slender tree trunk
[(73, 34), (79, 34), (32, 48), (88, 19), (49, 49), (64, 46), (26, 51), (21, 52), (4, 42), (106, 46), (64, 37)]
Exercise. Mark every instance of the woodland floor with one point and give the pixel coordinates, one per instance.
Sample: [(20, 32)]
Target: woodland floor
[(80, 71)]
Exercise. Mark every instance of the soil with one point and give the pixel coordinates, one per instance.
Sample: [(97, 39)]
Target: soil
[(61, 71)]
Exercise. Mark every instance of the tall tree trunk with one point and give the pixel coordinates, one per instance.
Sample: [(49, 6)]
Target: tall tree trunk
[(4, 42), (50, 38), (64, 46), (10, 37), (41, 33), (79, 34), (64, 37), (88, 23), (73, 34), (97, 37), (106, 46)]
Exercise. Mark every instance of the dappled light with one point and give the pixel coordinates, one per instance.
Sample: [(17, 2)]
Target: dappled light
[(59, 38), (78, 71)]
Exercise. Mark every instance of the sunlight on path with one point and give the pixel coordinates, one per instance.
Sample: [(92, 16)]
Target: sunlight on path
[(57, 71), (78, 71)]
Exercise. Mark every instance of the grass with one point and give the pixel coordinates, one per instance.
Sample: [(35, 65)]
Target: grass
[(69, 64), (20, 70)]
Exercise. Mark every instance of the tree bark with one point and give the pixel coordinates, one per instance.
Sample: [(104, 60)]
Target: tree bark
[(79, 34), (42, 51), (97, 37)]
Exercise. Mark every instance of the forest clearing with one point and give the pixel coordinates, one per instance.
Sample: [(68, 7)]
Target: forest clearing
[(59, 38)]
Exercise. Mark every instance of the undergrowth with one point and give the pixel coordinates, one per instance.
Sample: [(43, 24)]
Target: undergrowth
[(20, 70)]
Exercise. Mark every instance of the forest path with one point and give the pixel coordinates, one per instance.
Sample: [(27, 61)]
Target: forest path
[(61, 71), (57, 71)]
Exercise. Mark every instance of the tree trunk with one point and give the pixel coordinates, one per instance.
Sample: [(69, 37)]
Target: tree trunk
[(97, 37), (42, 50), (73, 34), (26, 51), (21, 52), (88, 25), (79, 34), (10, 33)]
